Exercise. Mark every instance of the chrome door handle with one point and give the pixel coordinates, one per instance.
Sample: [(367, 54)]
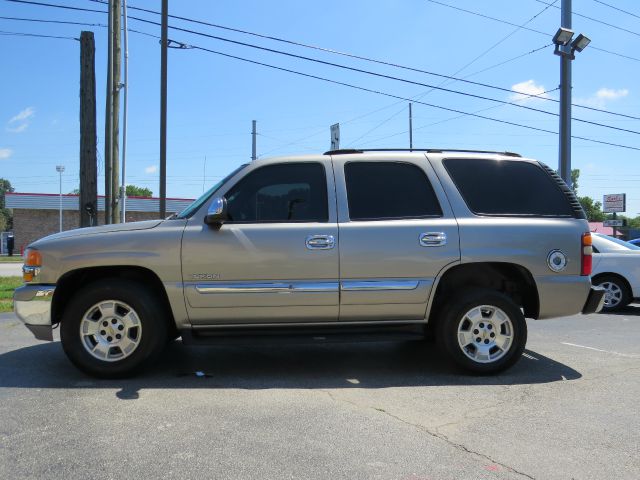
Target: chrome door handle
[(320, 242), (433, 239)]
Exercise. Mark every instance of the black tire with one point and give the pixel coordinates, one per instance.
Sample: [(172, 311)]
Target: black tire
[(613, 284), (152, 320), (452, 316)]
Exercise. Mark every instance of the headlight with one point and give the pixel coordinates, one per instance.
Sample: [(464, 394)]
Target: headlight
[(32, 264)]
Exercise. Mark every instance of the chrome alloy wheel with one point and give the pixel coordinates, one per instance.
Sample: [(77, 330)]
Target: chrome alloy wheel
[(612, 294), (485, 334), (110, 330)]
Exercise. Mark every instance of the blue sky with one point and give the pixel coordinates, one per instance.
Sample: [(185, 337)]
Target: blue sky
[(212, 100)]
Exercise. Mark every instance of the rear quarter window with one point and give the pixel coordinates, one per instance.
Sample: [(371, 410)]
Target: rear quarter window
[(507, 188)]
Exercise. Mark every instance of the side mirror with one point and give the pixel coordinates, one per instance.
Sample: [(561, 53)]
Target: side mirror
[(217, 212)]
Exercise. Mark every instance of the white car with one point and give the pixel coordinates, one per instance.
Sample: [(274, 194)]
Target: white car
[(616, 268)]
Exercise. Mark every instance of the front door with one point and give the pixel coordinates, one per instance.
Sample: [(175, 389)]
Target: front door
[(397, 233), (276, 259)]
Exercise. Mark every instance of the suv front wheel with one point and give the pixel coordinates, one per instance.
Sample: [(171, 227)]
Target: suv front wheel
[(113, 327), (482, 331)]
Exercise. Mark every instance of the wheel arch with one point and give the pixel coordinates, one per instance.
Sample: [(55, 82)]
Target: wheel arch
[(76, 279), (513, 280)]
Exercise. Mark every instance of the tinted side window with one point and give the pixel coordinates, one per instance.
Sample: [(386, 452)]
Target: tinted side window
[(387, 190), (289, 192), (507, 187)]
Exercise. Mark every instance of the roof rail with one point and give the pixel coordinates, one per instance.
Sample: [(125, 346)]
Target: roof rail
[(428, 150)]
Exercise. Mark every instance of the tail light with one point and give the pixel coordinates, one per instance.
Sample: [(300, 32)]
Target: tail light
[(586, 258)]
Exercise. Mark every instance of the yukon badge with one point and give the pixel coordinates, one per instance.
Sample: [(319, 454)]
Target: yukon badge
[(557, 260)]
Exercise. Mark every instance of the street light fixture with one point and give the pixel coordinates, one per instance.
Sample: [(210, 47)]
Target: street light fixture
[(562, 38), (580, 43), (60, 169)]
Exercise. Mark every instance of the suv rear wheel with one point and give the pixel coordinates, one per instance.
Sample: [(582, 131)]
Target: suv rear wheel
[(482, 331), (113, 327)]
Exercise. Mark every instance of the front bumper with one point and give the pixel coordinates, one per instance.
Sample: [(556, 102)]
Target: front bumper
[(32, 305), (595, 300)]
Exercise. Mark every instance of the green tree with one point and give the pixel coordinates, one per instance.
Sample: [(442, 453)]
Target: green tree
[(133, 191), (6, 216), (592, 208)]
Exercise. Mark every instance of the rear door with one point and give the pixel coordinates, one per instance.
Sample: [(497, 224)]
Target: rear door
[(397, 232)]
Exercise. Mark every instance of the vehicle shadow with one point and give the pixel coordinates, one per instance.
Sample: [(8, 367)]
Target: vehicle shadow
[(363, 365), (631, 309)]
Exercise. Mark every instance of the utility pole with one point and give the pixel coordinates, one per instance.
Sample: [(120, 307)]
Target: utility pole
[(115, 135), (123, 188), (60, 170), (565, 99), (410, 128), (253, 141), (163, 108), (88, 199), (108, 124)]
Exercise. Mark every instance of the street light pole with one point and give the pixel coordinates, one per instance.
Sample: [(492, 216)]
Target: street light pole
[(565, 48), (565, 100), (60, 169)]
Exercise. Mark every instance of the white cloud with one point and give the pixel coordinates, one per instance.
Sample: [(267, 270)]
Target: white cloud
[(151, 169), (524, 89), (19, 129), (20, 122), (5, 153), (25, 114), (602, 96)]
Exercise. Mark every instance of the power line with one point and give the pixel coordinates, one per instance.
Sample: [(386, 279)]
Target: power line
[(595, 19), (182, 45), (378, 92), (23, 34), (511, 60), (367, 72), (616, 8), (86, 24), (315, 47), (352, 55), (37, 20), (475, 59), (380, 75), (506, 22)]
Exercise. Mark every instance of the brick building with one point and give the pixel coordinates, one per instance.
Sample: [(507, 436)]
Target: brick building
[(36, 215)]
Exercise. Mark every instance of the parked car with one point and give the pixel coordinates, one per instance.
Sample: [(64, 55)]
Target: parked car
[(635, 241), (616, 268), (350, 244)]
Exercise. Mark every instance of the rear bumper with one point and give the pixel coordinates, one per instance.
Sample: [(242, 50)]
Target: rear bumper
[(595, 300), (562, 295), (32, 305)]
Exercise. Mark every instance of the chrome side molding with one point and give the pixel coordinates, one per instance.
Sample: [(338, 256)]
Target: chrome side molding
[(276, 287), (374, 285)]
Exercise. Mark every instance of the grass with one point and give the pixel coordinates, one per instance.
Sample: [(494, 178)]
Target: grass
[(14, 259), (7, 286)]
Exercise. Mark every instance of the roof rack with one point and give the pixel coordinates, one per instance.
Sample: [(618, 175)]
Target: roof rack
[(428, 150)]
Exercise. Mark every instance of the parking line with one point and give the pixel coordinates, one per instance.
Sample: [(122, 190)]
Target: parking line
[(628, 355)]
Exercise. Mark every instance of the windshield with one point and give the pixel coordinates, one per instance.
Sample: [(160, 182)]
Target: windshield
[(604, 245), (187, 212)]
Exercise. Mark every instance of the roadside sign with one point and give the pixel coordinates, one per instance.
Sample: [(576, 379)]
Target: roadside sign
[(615, 202), (613, 223), (335, 136)]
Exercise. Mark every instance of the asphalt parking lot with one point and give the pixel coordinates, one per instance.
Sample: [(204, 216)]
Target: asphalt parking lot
[(569, 409)]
